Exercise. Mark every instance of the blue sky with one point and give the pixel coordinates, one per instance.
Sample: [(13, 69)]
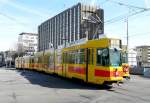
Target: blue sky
[(18, 16)]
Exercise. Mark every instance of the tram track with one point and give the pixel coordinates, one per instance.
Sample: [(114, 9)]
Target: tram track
[(129, 94)]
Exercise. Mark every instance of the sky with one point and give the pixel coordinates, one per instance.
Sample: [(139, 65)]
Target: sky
[(17, 16)]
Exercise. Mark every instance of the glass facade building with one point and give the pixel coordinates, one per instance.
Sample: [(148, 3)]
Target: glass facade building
[(77, 22)]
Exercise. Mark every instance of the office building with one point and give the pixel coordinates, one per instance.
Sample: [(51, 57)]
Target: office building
[(77, 22), (27, 43), (143, 56)]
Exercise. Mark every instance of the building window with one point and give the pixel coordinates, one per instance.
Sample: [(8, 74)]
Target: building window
[(32, 37)]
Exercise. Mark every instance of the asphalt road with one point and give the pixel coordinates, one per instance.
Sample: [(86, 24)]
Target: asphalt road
[(18, 86)]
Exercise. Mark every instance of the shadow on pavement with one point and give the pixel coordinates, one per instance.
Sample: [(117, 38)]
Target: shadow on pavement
[(51, 81)]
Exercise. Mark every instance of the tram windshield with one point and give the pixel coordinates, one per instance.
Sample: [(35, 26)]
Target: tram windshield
[(115, 57), (108, 57)]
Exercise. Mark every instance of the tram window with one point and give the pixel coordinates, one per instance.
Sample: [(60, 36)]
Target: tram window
[(77, 57), (72, 58), (59, 59), (65, 56), (103, 57), (82, 56), (99, 56), (36, 60), (40, 60), (33, 60), (69, 57), (50, 60)]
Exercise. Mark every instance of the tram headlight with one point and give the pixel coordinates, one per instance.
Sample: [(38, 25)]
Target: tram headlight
[(116, 73), (125, 68)]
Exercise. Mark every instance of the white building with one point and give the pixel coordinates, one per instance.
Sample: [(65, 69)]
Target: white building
[(143, 59), (132, 57), (27, 43), (143, 56)]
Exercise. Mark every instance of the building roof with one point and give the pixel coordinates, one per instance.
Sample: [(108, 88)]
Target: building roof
[(25, 33), (96, 7), (143, 46)]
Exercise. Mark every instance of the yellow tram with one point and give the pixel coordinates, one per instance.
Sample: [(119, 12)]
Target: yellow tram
[(94, 61)]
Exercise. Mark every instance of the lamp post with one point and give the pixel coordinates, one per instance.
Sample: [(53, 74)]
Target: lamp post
[(127, 32)]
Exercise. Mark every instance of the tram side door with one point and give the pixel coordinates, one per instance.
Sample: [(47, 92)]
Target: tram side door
[(64, 65), (89, 65)]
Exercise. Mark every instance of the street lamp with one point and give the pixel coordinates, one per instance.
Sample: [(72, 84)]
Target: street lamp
[(127, 32)]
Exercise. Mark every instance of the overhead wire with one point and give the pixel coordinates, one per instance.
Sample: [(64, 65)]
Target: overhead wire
[(11, 18), (138, 34), (127, 5), (135, 10), (121, 17)]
